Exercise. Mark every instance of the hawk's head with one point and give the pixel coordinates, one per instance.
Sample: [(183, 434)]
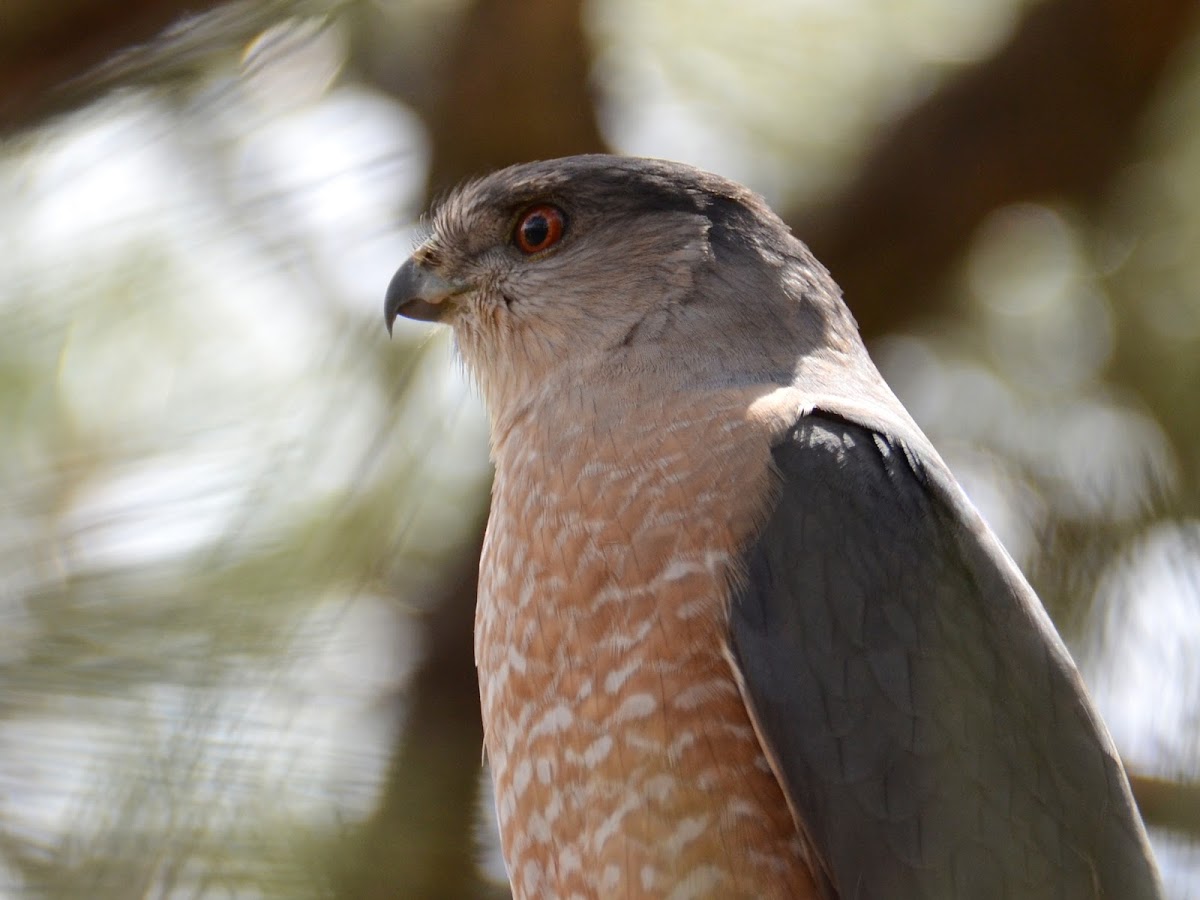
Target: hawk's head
[(601, 266)]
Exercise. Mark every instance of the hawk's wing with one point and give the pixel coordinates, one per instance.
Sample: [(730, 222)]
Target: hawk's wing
[(931, 733)]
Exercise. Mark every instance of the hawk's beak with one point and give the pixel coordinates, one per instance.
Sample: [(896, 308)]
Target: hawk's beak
[(418, 293)]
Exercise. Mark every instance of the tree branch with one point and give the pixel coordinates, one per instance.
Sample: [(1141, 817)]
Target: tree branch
[(1168, 804), (56, 57)]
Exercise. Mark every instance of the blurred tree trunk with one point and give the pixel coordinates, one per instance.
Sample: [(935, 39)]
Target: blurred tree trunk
[(1053, 114), (516, 88), (419, 842)]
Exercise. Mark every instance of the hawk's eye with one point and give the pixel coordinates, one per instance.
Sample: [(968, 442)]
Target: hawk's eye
[(539, 228)]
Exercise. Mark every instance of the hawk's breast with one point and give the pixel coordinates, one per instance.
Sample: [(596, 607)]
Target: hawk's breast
[(624, 760)]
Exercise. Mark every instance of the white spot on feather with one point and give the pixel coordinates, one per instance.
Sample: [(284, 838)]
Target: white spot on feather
[(555, 807), (649, 876), (693, 608), (636, 706), (659, 787), (698, 694), (684, 740), (516, 660), (623, 643), (697, 883), (531, 875), (569, 861), (612, 823), (715, 559), (685, 832), (597, 751), (614, 680), (557, 718), (679, 568), (612, 876), (522, 777)]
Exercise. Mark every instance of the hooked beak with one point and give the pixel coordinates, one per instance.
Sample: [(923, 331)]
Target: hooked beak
[(418, 293)]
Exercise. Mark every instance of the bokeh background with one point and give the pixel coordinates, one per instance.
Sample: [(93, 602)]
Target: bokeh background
[(239, 527)]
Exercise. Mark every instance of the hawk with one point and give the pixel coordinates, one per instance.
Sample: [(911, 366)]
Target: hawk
[(739, 631)]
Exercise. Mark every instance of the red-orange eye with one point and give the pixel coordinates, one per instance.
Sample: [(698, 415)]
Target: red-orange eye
[(539, 228)]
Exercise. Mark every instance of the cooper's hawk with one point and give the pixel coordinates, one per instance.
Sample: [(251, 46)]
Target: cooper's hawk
[(740, 633)]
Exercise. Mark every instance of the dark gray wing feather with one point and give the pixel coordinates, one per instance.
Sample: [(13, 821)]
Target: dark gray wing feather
[(932, 735)]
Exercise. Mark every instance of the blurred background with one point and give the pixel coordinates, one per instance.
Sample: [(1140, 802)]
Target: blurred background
[(239, 527)]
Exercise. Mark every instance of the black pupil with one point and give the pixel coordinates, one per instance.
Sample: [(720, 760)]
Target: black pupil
[(535, 230)]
